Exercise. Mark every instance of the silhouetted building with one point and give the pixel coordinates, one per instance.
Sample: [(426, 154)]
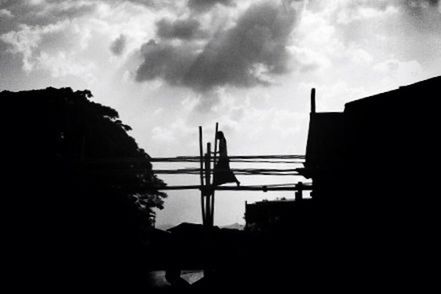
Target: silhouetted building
[(266, 214), (380, 145), (374, 181)]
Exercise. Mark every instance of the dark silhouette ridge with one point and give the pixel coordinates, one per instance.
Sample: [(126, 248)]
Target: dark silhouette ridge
[(78, 214)]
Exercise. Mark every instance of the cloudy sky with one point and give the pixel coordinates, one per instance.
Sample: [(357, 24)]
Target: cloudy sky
[(169, 66)]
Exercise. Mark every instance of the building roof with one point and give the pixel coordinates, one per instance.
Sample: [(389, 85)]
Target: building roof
[(404, 96), (373, 127)]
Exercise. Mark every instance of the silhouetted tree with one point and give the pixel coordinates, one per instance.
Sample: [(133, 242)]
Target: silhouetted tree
[(83, 191)]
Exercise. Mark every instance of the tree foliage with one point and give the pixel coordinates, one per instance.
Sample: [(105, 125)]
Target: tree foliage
[(84, 192)]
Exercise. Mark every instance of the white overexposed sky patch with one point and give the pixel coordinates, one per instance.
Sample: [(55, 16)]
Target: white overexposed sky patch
[(169, 66)]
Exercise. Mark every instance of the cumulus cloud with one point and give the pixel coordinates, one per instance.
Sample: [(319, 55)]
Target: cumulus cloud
[(205, 5), (249, 53), (405, 72), (185, 29), (5, 13), (419, 8), (425, 15), (26, 40), (50, 47), (157, 4), (421, 3), (44, 12), (54, 35), (119, 45), (165, 61)]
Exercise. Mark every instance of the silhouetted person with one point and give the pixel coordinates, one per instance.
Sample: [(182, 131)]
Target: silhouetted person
[(222, 170)]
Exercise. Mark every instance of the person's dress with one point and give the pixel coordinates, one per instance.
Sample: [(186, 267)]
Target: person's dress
[(222, 170)]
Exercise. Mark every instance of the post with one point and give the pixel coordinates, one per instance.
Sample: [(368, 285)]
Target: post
[(312, 100), (299, 192), (201, 172), (214, 165), (208, 185)]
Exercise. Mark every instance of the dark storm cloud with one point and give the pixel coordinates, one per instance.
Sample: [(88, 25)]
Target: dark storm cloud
[(241, 56), (204, 5), (164, 61), (186, 29), (258, 39), (118, 45)]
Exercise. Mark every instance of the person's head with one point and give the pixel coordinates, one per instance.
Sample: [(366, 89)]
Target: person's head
[(220, 135)]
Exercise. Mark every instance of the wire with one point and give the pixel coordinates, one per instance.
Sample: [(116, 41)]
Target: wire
[(231, 158), (237, 171)]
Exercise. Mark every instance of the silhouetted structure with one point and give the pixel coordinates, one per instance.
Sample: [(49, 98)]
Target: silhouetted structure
[(374, 182), (269, 215)]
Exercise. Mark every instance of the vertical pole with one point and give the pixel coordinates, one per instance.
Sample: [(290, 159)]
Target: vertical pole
[(214, 165), (299, 192), (312, 113), (313, 100), (208, 220), (201, 172), (208, 185)]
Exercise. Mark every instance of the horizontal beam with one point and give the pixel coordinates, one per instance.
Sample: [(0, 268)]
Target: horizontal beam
[(238, 171), (273, 161), (237, 174), (238, 158), (233, 157), (304, 187)]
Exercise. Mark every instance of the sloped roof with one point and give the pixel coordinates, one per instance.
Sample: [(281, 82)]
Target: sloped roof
[(403, 97)]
